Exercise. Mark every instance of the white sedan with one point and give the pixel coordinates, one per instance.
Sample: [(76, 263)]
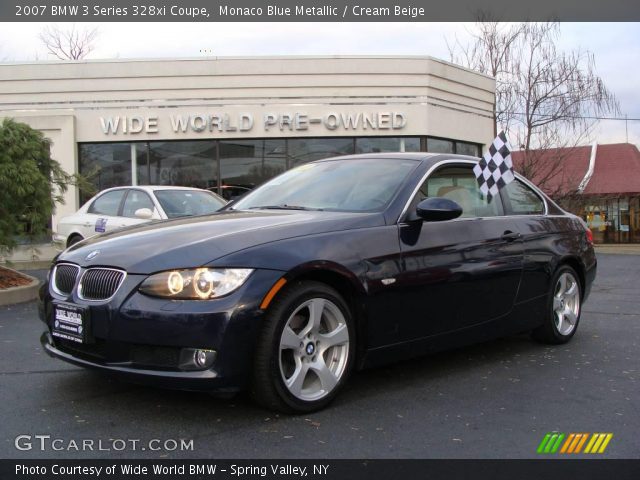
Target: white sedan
[(123, 206)]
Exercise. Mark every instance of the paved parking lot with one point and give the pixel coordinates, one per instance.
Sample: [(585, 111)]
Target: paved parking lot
[(495, 400)]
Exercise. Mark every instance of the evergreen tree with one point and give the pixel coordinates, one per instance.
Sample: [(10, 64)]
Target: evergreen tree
[(31, 183)]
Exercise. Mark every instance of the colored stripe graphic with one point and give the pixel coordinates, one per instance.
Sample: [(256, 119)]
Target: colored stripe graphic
[(544, 443), (607, 439), (555, 442), (590, 444), (582, 440), (551, 442), (598, 443), (574, 444), (568, 442), (555, 447)]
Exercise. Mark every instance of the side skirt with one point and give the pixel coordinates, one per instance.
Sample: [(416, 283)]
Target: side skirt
[(524, 317)]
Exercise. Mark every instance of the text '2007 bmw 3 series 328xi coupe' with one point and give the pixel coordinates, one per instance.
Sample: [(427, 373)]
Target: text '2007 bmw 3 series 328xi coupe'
[(332, 266)]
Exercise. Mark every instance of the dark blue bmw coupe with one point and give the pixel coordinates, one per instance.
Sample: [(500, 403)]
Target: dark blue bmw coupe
[(333, 266)]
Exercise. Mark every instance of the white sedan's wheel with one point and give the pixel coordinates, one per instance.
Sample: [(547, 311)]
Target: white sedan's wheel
[(75, 238)]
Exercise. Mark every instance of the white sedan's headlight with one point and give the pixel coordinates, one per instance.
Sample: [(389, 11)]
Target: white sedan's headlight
[(195, 284)]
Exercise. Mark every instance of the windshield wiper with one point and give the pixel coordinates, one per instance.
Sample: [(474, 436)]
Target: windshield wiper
[(282, 207)]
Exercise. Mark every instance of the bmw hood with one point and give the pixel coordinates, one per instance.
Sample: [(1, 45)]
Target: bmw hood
[(196, 241)]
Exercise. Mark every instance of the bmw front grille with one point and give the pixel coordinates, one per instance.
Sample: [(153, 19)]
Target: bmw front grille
[(100, 283), (64, 278)]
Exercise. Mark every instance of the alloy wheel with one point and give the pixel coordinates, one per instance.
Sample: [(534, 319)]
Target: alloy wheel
[(566, 303), (314, 349)]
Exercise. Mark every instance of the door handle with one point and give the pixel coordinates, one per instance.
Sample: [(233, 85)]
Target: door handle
[(510, 236)]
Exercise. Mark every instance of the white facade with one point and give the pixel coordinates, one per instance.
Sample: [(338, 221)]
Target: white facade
[(244, 98)]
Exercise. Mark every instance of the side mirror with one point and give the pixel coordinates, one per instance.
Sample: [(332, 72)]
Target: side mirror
[(144, 213), (437, 209)]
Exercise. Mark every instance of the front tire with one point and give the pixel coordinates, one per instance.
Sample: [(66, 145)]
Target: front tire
[(74, 239), (563, 308), (306, 349)]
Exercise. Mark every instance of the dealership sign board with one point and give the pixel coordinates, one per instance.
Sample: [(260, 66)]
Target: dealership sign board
[(247, 122), (193, 122)]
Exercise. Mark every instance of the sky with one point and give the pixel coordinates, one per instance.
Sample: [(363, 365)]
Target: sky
[(616, 48)]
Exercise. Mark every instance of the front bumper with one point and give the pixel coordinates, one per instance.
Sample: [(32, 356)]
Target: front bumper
[(59, 240), (140, 338), (199, 380)]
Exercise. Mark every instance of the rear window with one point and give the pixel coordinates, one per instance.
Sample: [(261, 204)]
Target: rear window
[(522, 199)]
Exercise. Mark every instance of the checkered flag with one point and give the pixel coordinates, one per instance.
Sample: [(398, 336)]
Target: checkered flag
[(495, 168)]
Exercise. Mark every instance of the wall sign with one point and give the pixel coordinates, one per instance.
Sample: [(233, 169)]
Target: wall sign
[(246, 122)]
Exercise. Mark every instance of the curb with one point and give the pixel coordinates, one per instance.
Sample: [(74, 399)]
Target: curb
[(28, 265), (31, 256), (22, 294), (618, 249)]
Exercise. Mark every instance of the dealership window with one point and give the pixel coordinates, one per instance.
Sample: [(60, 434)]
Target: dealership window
[(303, 150), (466, 148), (240, 165), (387, 144), (105, 165), (140, 168), (442, 145), (438, 145), (184, 163), (248, 163)]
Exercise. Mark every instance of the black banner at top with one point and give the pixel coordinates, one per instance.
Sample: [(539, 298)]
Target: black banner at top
[(316, 10)]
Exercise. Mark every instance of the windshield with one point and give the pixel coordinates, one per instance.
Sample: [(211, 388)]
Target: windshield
[(184, 203), (357, 185)]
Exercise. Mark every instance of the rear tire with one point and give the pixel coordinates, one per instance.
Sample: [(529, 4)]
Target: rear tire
[(305, 351), (564, 306)]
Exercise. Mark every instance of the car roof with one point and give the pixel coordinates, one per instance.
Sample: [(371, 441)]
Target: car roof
[(151, 188), (424, 157)]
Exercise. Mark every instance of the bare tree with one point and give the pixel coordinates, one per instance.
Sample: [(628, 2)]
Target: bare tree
[(547, 100), (68, 44), (490, 52)]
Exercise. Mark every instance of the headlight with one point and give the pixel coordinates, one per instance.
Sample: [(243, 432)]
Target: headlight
[(195, 284)]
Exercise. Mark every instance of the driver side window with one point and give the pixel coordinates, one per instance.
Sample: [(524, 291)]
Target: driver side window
[(458, 183), (135, 200)]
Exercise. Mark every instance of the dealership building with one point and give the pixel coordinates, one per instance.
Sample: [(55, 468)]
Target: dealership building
[(231, 123)]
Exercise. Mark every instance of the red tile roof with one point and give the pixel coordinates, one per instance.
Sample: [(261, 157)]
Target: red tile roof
[(616, 171)]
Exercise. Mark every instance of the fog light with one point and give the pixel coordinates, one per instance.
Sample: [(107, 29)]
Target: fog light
[(200, 358), (196, 358)]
